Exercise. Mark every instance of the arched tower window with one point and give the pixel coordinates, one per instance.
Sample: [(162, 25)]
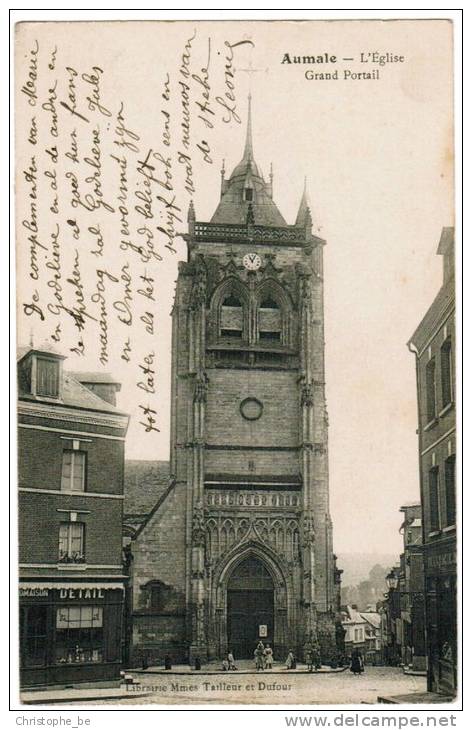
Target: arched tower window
[(270, 321), (231, 319)]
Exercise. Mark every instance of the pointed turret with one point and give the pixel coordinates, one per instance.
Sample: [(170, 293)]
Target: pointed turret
[(270, 186), (191, 218), (304, 214), (191, 212)]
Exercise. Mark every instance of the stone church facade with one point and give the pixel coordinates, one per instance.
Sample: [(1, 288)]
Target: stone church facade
[(238, 546)]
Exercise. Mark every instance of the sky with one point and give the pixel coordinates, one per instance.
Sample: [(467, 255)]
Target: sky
[(377, 155)]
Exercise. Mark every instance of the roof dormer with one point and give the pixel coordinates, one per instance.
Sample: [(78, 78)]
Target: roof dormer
[(40, 373)]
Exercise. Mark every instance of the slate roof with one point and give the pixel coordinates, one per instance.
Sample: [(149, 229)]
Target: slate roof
[(372, 618), (433, 317), (232, 208), (21, 352), (145, 482), (352, 616), (88, 377), (443, 301), (74, 394)]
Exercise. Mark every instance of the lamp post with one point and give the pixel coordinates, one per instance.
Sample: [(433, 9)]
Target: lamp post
[(392, 580)]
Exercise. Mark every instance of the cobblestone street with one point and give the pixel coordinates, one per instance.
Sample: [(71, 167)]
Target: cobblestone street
[(270, 688)]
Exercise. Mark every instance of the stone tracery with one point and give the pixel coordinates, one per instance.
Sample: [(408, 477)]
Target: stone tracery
[(281, 532)]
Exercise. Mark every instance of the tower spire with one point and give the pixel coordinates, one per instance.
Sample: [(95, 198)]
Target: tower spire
[(248, 151), (246, 185)]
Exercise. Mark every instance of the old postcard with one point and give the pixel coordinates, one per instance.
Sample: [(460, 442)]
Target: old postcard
[(226, 231)]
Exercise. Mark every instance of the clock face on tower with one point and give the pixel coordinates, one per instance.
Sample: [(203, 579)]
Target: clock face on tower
[(252, 261)]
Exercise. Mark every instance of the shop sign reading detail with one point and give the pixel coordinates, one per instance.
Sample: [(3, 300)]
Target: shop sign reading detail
[(78, 593)]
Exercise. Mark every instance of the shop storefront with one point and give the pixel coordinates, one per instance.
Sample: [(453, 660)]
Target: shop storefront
[(441, 608), (70, 633)]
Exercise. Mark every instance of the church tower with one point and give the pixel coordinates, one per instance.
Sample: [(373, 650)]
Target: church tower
[(249, 423), (239, 546)]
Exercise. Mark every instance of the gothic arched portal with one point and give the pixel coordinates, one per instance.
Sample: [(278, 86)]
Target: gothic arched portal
[(250, 590), (250, 607)]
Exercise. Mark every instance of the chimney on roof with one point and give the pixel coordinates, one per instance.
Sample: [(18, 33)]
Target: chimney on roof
[(446, 250), (102, 385)]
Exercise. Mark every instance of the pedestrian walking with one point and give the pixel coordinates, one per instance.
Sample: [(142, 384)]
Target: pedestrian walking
[(231, 663), (225, 664), (290, 661), (167, 662), (268, 657), (259, 656), (357, 665), (309, 660)]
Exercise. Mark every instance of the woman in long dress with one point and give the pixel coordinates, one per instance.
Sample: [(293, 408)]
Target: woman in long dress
[(268, 657), (259, 658), (309, 660), (290, 662), (357, 665)]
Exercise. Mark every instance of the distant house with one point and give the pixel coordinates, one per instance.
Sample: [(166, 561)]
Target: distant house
[(373, 649), (362, 633)]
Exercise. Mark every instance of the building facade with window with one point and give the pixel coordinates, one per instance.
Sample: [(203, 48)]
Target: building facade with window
[(238, 548), (362, 632), (433, 344), (411, 587), (70, 479)]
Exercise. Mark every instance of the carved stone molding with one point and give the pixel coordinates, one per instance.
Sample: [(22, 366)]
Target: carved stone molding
[(200, 387), (198, 525), (199, 290), (251, 498), (308, 530), (307, 392), (72, 415)]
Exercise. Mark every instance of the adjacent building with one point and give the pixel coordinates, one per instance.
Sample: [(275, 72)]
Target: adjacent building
[(70, 478), (433, 344), (411, 587), (238, 546)]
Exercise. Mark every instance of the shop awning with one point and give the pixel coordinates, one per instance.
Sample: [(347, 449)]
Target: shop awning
[(57, 586)]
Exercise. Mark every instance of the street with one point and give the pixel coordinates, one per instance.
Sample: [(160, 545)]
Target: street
[(270, 688)]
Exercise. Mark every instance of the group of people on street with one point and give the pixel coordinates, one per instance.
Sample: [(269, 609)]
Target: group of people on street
[(263, 656), (228, 662)]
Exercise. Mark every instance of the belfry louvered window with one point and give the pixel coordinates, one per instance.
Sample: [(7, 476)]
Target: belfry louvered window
[(231, 321), (47, 383), (270, 321)]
